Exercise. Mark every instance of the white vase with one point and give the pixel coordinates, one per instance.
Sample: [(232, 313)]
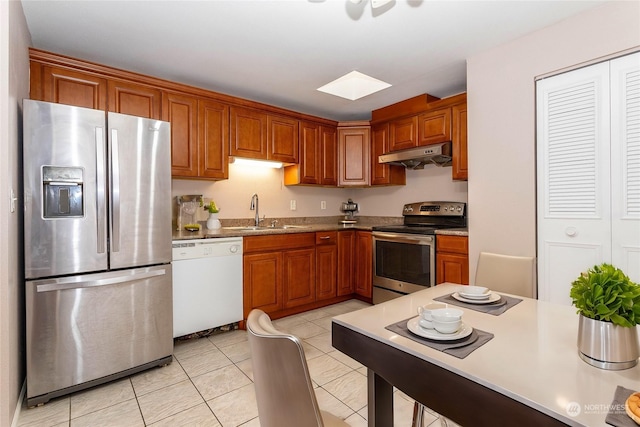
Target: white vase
[(213, 223)]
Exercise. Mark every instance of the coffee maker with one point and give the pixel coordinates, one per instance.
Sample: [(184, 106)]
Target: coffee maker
[(349, 208)]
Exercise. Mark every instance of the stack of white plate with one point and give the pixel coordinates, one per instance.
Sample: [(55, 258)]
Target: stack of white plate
[(476, 295)]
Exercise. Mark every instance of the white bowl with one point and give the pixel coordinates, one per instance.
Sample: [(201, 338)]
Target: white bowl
[(474, 290), (446, 314), (448, 327)]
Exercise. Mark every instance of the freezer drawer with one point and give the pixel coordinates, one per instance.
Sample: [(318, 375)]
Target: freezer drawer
[(84, 328)]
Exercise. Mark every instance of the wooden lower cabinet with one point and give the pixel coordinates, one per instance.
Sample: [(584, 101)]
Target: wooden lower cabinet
[(452, 259), (346, 247), (364, 264), (326, 265), (262, 282), (290, 273), (299, 279)]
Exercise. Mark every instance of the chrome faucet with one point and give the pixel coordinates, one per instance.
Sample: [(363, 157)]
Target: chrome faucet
[(254, 206)]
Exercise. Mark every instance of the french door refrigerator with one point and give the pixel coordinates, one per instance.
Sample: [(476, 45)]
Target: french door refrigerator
[(97, 241)]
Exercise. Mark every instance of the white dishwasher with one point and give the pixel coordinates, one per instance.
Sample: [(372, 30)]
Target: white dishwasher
[(207, 284)]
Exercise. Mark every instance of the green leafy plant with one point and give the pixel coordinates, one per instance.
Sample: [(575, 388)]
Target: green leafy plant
[(211, 207), (605, 293)]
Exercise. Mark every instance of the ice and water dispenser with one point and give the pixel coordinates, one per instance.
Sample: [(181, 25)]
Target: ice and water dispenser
[(62, 191)]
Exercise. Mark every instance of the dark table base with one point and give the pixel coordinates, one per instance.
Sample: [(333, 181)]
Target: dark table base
[(457, 398)]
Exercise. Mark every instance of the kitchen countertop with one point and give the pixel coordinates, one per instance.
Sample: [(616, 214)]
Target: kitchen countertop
[(301, 225)]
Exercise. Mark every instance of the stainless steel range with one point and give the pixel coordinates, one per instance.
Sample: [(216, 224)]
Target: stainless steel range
[(404, 255)]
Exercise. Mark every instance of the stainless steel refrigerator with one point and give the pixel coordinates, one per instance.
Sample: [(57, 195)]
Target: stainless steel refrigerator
[(97, 239)]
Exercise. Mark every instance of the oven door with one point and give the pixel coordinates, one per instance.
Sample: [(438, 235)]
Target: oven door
[(402, 263)]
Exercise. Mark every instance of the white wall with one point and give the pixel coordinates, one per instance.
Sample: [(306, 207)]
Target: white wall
[(501, 108), (233, 196), (14, 86)]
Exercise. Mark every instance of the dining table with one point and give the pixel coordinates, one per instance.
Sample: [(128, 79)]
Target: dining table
[(526, 372)]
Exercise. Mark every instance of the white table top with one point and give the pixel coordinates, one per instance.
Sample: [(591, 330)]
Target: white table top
[(533, 357)]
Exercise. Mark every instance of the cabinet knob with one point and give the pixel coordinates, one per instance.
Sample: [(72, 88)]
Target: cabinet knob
[(571, 231)]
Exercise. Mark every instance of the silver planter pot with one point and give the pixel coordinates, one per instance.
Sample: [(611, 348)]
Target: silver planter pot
[(607, 346)]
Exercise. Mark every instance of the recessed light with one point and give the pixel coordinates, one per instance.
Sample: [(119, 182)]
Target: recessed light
[(354, 85)]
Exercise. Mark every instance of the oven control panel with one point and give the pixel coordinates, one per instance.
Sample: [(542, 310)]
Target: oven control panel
[(435, 208)]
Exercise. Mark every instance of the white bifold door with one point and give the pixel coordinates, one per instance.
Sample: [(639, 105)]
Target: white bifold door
[(588, 173)]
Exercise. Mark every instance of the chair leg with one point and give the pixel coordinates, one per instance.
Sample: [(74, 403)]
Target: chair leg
[(418, 415)]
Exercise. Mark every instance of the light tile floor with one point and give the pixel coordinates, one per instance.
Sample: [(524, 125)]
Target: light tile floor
[(210, 383)]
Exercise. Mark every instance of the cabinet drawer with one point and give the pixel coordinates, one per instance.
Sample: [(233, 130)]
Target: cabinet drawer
[(326, 237), (278, 242), (452, 244)]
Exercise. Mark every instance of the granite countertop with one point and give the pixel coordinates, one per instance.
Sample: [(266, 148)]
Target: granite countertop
[(236, 227)]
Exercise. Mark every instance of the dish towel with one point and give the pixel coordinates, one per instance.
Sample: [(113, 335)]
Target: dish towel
[(496, 308), (617, 416), (459, 348)]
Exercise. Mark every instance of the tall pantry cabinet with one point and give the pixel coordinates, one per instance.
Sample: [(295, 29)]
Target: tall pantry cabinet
[(588, 173)]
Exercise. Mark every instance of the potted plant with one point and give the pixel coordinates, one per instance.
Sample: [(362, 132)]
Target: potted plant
[(609, 306), (212, 222)]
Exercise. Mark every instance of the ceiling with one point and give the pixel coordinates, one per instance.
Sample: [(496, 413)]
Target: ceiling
[(280, 51)]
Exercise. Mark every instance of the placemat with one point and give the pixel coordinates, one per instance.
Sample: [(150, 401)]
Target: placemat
[(617, 416), (459, 348), (497, 308)]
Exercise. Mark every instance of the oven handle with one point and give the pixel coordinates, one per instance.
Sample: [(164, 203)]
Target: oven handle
[(403, 238)]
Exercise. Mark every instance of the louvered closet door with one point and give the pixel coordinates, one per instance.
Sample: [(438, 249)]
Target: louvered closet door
[(573, 145), (625, 164)]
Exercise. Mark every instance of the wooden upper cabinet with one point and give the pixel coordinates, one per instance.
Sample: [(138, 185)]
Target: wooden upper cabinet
[(384, 174), (328, 156), (354, 155), (182, 112), (134, 99), (199, 136), (283, 139), (248, 133), (434, 127), (459, 141), (259, 135), (403, 133), (64, 86), (307, 171), (213, 139)]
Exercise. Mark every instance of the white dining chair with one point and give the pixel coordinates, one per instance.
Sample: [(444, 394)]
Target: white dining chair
[(507, 273), (284, 391)]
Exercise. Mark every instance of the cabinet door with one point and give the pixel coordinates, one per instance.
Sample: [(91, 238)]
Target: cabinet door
[(182, 112), (248, 133), (353, 156), (346, 247), (299, 277), (383, 174), (309, 152), (282, 142), (403, 133), (434, 127), (64, 86), (213, 140), (262, 282), (452, 268), (364, 264), (134, 99), (328, 156), (326, 271), (459, 142)]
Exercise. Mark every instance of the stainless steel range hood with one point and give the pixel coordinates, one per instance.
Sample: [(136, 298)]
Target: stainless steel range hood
[(417, 158)]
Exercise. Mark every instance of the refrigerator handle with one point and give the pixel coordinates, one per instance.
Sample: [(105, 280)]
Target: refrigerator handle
[(100, 192), (115, 192), (71, 283)]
